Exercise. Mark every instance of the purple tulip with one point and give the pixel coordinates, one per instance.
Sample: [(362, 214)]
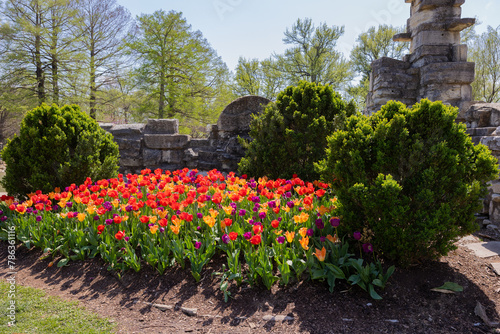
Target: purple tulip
[(319, 224), (357, 235), (335, 222), (367, 248)]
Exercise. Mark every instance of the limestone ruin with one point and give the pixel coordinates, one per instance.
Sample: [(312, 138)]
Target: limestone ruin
[(436, 67), (158, 143)]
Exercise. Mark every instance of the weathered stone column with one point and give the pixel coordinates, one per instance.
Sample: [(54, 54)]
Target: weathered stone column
[(436, 67)]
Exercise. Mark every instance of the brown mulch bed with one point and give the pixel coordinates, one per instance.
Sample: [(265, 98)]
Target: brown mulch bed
[(408, 305)]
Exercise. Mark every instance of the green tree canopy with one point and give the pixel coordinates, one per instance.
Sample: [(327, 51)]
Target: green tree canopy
[(254, 77), (312, 55), (178, 67)]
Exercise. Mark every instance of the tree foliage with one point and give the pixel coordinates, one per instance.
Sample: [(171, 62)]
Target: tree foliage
[(485, 52), (177, 66), (290, 135), (312, 55), (408, 179), (262, 78)]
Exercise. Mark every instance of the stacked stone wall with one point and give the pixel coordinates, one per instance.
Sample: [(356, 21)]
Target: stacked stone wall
[(158, 144)]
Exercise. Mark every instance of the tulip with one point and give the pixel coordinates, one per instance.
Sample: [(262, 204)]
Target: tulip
[(304, 242), (255, 240), (119, 235), (320, 254)]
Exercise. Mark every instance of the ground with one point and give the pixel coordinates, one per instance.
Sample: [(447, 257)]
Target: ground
[(408, 305)]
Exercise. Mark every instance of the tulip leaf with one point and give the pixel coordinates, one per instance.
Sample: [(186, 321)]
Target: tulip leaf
[(373, 293), (62, 262)]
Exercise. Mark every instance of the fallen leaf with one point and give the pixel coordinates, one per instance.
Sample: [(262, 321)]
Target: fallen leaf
[(449, 287)]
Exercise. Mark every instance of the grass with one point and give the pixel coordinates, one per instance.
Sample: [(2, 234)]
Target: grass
[(38, 313)]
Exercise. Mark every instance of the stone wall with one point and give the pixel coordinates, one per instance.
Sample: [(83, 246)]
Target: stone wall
[(436, 67), (483, 125), (158, 144)]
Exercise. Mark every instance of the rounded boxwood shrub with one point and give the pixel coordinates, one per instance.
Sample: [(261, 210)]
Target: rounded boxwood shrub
[(408, 179), (290, 135), (57, 147)]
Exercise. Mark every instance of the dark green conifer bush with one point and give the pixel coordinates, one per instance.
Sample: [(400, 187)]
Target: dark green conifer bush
[(290, 135), (57, 147), (410, 178)]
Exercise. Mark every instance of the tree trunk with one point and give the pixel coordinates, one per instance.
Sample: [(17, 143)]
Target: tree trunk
[(40, 78), (54, 63), (161, 104), (93, 88)]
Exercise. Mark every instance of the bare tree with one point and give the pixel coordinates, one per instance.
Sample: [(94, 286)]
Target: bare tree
[(485, 52), (102, 25)]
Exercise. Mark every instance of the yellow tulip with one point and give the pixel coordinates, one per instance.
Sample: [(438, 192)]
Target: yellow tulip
[(289, 236), (303, 231), (90, 209), (81, 216), (228, 210), (154, 228), (209, 220), (213, 212)]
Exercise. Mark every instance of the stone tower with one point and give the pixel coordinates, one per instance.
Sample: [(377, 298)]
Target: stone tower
[(436, 67)]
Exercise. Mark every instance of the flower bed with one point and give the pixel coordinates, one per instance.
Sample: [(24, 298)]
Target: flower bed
[(281, 229)]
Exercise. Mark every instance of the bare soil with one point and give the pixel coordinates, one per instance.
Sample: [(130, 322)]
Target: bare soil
[(408, 305)]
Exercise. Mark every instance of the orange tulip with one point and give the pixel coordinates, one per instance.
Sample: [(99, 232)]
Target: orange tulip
[(333, 239), (304, 242), (175, 229), (320, 254)]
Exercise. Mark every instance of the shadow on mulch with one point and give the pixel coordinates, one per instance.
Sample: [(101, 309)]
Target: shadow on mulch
[(408, 305)]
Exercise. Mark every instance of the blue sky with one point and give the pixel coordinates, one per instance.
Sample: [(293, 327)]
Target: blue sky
[(254, 28)]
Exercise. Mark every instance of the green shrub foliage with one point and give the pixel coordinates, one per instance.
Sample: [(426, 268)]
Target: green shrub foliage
[(57, 147), (290, 135), (410, 178)]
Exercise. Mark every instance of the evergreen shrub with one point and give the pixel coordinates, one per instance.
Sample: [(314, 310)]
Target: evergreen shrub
[(408, 179), (290, 135), (57, 147)]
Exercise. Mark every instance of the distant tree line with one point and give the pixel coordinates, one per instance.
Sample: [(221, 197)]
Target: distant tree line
[(120, 69)]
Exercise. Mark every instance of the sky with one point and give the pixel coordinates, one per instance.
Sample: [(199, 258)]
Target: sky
[(255, 28)]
